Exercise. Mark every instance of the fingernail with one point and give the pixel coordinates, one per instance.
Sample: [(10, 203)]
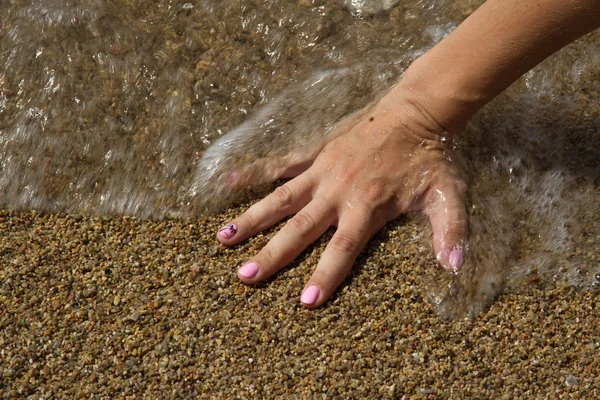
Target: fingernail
[(310, 295), (228, 231), (456, 258), (249, 270)]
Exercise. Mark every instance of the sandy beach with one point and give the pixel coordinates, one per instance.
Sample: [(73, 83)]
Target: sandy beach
[(115, 287), (118, 307)]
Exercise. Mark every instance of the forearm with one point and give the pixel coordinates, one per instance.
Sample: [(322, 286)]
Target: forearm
[(498, 43)]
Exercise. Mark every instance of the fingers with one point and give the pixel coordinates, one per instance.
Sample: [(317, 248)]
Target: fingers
[(448, 217), (337, 259), (287, 199), (299, 232)]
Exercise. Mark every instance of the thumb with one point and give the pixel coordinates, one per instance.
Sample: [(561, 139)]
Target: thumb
[(267, 170), (448, 217)]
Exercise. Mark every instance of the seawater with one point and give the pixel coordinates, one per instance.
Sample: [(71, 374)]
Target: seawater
[(110, 108)]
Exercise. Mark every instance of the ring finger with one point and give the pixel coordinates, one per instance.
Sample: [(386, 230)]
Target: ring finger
[(352, 235)]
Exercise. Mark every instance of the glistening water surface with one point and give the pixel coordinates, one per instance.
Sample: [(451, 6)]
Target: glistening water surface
[(106, 107)]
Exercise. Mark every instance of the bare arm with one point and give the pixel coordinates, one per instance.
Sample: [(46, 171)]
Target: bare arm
[(493, 47)]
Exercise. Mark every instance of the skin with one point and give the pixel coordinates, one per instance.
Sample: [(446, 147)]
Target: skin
[(398, 156)]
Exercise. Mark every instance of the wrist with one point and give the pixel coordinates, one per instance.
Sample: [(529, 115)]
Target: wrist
[(448, 98), (489, 51)]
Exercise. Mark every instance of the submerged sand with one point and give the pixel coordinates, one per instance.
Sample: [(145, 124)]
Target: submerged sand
[(120, 307)]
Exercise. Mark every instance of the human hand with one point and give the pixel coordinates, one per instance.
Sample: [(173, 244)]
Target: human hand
[(394, 159)]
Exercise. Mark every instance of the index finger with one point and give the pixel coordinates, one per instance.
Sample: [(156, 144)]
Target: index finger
[(286, 200)]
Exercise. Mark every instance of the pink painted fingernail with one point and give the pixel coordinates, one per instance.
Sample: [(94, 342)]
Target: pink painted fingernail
[(456, 258), (228, 231), (249, 270), (310, 295)]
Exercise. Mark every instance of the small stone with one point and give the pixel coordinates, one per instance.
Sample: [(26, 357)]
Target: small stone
[(164, 362), (134, 316), (591, 346), (392, 390), (514, 360), (117, 300), (571, 380), (156, 304), (131, 362), (195, 268), (89, 292)]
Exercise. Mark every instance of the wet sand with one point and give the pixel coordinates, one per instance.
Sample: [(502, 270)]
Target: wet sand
[(120, 307)]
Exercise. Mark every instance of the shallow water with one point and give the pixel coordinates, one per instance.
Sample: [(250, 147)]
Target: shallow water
[(107, 107)]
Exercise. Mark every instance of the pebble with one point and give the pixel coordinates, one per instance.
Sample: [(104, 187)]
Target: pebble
[(571, 380)]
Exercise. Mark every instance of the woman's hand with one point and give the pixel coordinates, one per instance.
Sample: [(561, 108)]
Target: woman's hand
[(397, 157), (393, 160)]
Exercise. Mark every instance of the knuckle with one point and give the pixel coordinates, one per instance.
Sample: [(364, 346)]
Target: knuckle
[(456, 186), (461, 189), (343, 243), (328, 281), (266, 256), (379, 217), (248, 220), (322, 276), (283, 197), (456, 228), (301, 223), (375, 193)]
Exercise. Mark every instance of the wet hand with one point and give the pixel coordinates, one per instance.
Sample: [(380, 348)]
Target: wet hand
[(395, 159)]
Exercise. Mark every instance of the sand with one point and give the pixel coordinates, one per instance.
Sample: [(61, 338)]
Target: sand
[(124, 307), (120, 307)]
